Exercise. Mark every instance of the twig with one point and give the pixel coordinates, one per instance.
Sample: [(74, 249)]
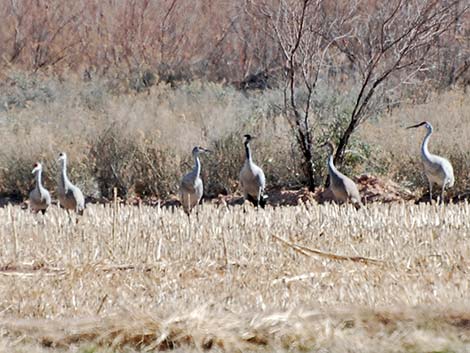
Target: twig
[(15, 238), (225, 250), (295, 278), (101, 303), (27, 270), (307, 251)]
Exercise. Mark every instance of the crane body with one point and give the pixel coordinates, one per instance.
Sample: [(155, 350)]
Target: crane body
[(437, 169), (252, 178), (342, 187), (192, 188), (39, 197), (70, 196)]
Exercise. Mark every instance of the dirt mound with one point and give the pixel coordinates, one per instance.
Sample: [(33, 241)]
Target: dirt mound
[(372, 189)]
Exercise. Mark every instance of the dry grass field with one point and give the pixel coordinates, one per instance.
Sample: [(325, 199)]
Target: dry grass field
[(311, 278)]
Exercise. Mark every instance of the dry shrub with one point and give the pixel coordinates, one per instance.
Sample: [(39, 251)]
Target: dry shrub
[(155, 171), (132, 142), (129, 163), (272, 149), (15, 176), (112, 155), (17, 160), (141, 142), (221, 168)]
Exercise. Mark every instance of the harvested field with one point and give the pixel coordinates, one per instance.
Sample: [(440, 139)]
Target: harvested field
[(391, 278)]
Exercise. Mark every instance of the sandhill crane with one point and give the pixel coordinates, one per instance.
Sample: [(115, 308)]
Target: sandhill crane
[(252, 179), (438, 170), (39, 197), (192, 188), (343, 188), (70, 196)]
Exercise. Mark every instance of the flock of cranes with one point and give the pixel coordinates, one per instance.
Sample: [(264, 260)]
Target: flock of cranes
[(70, 196), (438, 171)]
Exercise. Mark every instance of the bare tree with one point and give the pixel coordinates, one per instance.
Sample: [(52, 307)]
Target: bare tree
[(298, 27), (391, 43), (378, 44)]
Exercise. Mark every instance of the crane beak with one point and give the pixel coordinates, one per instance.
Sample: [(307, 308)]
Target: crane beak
[(207, 150), (417, 125)]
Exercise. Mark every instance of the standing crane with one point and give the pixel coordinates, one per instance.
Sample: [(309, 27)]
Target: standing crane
[(39, 197), (438, 170), (252, 179), (343, 188), (192, 188), (70, 196)]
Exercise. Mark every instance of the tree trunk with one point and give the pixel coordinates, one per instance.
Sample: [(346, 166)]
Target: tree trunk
[(308, 159), (343, 142)]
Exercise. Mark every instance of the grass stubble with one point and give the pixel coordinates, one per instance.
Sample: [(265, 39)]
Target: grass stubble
[(139, 279)]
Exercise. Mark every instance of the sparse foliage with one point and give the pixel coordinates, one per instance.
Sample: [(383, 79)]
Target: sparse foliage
[(394, 45), (379, 46)]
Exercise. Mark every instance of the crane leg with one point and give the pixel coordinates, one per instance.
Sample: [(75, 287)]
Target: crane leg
[(442, 194), (258, 199), (261, 199), (70, 217), (252, 200), (430, 193)]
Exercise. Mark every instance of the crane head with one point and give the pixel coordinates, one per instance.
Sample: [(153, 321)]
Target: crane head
[(248, 138), (62, 156), (37, 167), (425, 123), (329, 145), (199, 149)]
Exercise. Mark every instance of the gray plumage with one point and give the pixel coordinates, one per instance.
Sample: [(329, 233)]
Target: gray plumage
[(39, 197), (438, 170), (343, 188), (70, 196), (252, 179), (192, 188)]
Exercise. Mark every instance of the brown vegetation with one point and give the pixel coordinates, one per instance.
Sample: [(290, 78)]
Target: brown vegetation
[(174, 39), (141, 143)]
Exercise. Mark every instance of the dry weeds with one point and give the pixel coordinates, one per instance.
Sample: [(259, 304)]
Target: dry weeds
[(142, 278)]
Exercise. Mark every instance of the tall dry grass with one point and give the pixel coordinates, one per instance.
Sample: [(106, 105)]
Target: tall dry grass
[(140, 277), (139, 142)]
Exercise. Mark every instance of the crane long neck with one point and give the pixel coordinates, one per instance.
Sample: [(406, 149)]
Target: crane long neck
[(39, 179), (331, 166), (197, 165), (63, 175), (248, 151), (424, 146)]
